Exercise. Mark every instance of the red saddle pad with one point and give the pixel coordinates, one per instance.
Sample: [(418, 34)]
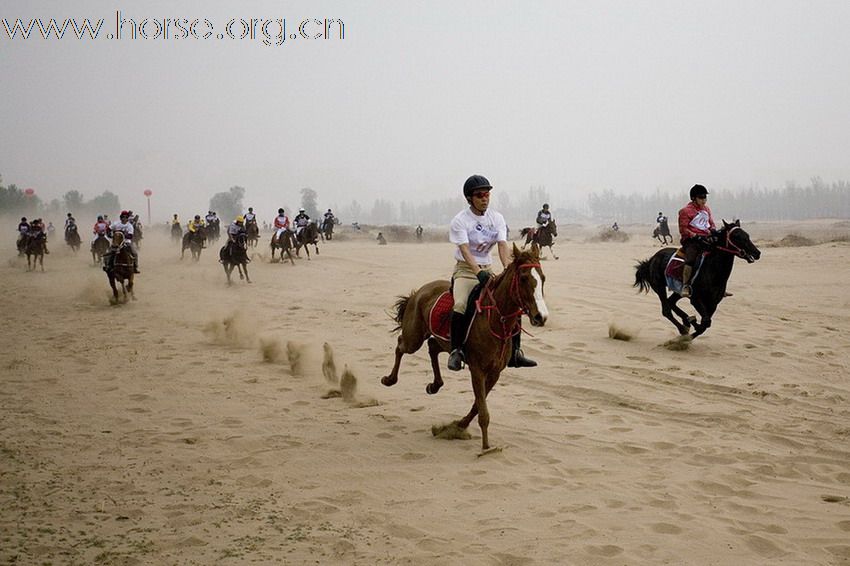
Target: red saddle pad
[(440, 318)]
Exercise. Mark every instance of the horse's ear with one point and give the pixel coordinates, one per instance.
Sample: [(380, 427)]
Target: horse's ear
[(738, 222), (515, 251), (725, 224)]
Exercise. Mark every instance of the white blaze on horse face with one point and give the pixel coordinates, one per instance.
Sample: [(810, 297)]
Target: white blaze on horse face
[(538, 295)]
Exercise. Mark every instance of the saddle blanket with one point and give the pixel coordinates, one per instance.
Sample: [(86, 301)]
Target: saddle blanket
[(440, 317), (673, 271)]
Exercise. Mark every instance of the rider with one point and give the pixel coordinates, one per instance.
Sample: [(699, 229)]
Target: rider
[(301, 220), (23, 229), (281, 224), (123, 225), (249, 216), (328, 218), (615, 227), (100, 228), (660, 219), (50, 229), (475, 230), (544, 216), (381, 240), (419, 231), (36, 230), (696, 227), (236, 227), (70, 221), (209, 218), (175, 221), (194, 224)]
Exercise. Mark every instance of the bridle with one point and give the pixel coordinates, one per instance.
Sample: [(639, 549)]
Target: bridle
[(510, 323), (731, 247)]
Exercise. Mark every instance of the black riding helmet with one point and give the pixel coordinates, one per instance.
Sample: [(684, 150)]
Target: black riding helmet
[(280, 211), (475, 183), (698, 191), (545, 207)]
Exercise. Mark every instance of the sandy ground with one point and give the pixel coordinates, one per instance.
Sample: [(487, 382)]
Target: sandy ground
[(194, 425)]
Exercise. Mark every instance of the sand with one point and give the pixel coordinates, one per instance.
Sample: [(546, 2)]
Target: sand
[(209, 424)]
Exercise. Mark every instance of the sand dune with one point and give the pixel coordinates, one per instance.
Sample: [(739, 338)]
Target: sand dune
[(194, 425)]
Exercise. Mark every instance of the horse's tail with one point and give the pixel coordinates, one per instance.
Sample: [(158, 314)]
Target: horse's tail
[(400, 307), (642, 274)]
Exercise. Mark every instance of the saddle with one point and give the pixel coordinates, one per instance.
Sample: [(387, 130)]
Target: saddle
[(440, 317), (673, 271)]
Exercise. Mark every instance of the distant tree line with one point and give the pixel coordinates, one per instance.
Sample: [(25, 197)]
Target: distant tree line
[(16, 202), (792, 202)]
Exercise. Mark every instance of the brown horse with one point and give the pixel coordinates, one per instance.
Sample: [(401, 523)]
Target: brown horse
[(284, 244), (253, 231), (34, 249), (194, 242), (118, 265), (517, 290), (72, 237), (308, 235), (543, 236), (99, 247)]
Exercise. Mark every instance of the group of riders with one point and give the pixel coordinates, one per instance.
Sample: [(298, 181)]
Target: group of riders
[(246, 222), (127, 223)]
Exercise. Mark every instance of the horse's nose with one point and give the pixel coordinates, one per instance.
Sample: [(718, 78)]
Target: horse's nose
[(538, 320), (757, 254)]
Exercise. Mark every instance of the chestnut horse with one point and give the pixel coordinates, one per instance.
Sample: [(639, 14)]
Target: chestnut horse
[(253, 230), (118, 265), (517, 290), (284, 244)]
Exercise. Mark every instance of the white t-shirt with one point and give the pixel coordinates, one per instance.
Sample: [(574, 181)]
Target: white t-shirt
[(480, 232), (127, 228)]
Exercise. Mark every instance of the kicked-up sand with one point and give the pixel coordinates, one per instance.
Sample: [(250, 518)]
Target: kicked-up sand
[(196, 426)]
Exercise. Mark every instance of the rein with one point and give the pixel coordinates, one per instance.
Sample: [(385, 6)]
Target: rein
[(510, 323), (730, 246)]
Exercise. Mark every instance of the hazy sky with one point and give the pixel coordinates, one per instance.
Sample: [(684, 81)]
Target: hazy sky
[(575, 96)]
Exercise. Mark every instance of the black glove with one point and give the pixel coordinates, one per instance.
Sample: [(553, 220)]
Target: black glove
[(483, 276)]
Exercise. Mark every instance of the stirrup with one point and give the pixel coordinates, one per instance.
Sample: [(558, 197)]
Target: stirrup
[(456, 360)]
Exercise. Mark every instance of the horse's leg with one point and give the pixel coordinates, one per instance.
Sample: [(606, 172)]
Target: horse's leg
[(434, 350), (479, 406), (245, 267), (41, 261), (667, 306), (131, 286), (705, 312), (553, 251), (403, 347), (114, 289), (687, 320)]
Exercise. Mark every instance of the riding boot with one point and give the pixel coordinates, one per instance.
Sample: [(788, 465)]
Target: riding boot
[(518, 359), (686, 280), (458, 334), (136, 264)]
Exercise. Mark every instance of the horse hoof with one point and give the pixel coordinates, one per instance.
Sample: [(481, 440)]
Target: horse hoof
[(432, 388), (389, 381)]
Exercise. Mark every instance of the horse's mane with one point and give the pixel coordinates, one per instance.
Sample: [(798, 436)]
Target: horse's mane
[(520, 258)]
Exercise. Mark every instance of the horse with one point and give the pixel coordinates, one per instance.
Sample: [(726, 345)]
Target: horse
[(308, 235), (284, 243), (35, 246), (99, 246), (662, 232), (176, 232), (137, 234), (118, 265), (194, 242), (544, 236), (214, 230), (253, 231), (72, 237), (503, 300), (708, 284), (327, 230), (235, 254)]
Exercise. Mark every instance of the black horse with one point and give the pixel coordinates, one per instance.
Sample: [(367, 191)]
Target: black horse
[(662, 232), (176, 232), (194, 242), (235, 254), (708, 286), (307, 236), (544, 236), (72, 237)]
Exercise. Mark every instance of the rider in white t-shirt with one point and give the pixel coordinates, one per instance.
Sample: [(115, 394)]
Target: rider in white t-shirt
[(475, 230)]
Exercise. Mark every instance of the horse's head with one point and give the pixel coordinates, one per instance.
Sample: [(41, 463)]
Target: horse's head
[(527, 284), (553, 228), (734, 239), (117, 238)]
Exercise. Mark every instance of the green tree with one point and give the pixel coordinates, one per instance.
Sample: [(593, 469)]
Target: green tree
[(228, 205), (308, 202), (73, 201)]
